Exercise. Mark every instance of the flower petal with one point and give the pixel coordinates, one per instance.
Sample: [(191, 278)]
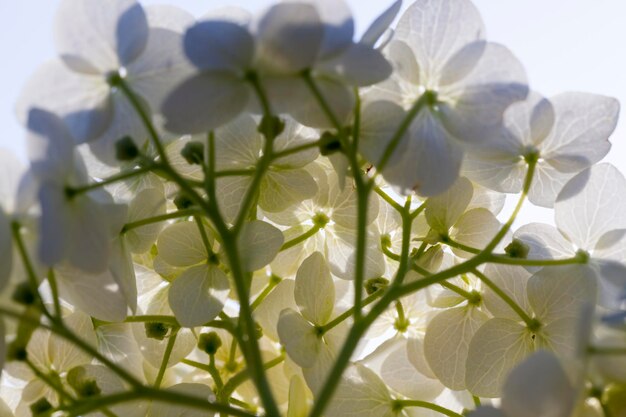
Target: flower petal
[(315, 291), (259, 242), (299, 338), (219, 45), (93, 36), (381, 24)]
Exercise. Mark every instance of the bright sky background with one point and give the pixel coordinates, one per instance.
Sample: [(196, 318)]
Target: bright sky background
[(575, 45)]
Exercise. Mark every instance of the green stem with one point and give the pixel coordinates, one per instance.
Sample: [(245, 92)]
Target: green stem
[(457, 245), (530, 322), (266, 291), (424, 404), (215, 374), (54, 289), (48, 381), (166, 357), (153, 319), (418, 211), (346, 314), (243, 376), (599, 350), (296, 149), (299, 239), (74, 191), (507, 260), (157, 219), (455, 288), (388, 199)]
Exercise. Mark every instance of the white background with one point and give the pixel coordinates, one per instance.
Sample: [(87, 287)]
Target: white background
[(565, 45)]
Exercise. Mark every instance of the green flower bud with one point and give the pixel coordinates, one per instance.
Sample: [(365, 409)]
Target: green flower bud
[(329, 144), (376, 284), (209, 342), (125, 149), (193, 152), (16, 351), (83, 385), (517, 249), (156, 330), (40, 407), (271, 125), (615, 400), (23, 294), (182, 202)]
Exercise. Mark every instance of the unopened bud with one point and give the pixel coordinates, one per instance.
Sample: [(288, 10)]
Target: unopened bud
[(329, 144), (271, 125), (193, 152), (182, 202), (156, 330), (40, 407), (17, 352), (517, 249), (24, 294), (209, 342), (126, 149), (84, 385)]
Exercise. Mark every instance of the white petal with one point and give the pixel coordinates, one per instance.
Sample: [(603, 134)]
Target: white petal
[(436, 30), (205, 102), (485, 198), (512, 280), (479, 100), (496, 348), (447, 342), (547, 184), (97, 36), (123, 272), (538, 387), (444, 210), (315, 291), (475, 229), (148, 203), (54, 224), (238, 144), (268, 312), (361, 393), (561, 291), (65, 355), (289, 37), (298, 404), (95, 294), (230, 194), (259, 242), (359, 65), (280, 190), (338, 25), (168, 17), (181, 245), (219, 45), (544, 241), (198, 295), (299, 338), (89, 235), (6, 250), (591, 204), (582, 127), (381, 24)]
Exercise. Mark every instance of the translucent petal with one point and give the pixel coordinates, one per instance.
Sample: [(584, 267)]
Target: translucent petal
[(198, 295), (582, 127), (359, 65), (496, 348), (591, 204), (268, 312), (561, 291), (238, 144), (512, 280), (165, 16), (219, 45), (180, 244), (230, 194), (338, 25), (289, 37), (96, 36), (200, 391), (123, 271), (298, 406), (205, 102), (259, 242), (148, 203), (544, 241), (54, 223), (447, 342), (444, 210), (65, 355), (381, 24), (547, 183), (315, 291), (299, 338), (361, 393), (538, 387), (475, 229), (436, 30)]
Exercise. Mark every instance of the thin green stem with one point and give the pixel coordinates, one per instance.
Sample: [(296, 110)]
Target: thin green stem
[(215, 374), (388, 199), (319, 97), (157, 219), (296, 149), (303, 237), (418, 211), (266, 291), (601, 350), (507, 260), (74, 191), (454, 244), (244, 375), (424, 404), (530, 322), (54, 289), (346, 314), (153, 319), (166, 357), (455, 288)]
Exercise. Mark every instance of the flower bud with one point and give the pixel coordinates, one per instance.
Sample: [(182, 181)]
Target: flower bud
[(271, 124), (83, 385), (125, 149), (23, 294), (182, 202), (615, 399), (517, 249), (156, 330), (40, 407), (16, 351), (193, 152), (209, 342), (329, 144)]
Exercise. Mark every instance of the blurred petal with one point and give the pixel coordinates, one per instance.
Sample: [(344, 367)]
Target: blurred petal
[(259, 242), (359, 65), (381, 24), (219, 45)]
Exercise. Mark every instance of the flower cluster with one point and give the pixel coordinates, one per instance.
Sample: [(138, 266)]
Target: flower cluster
[(258, 215)]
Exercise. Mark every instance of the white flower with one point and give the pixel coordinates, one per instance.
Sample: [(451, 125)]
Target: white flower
[(539, 386), (95, 40), (463, 85), (566, 133), (76, 228)]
